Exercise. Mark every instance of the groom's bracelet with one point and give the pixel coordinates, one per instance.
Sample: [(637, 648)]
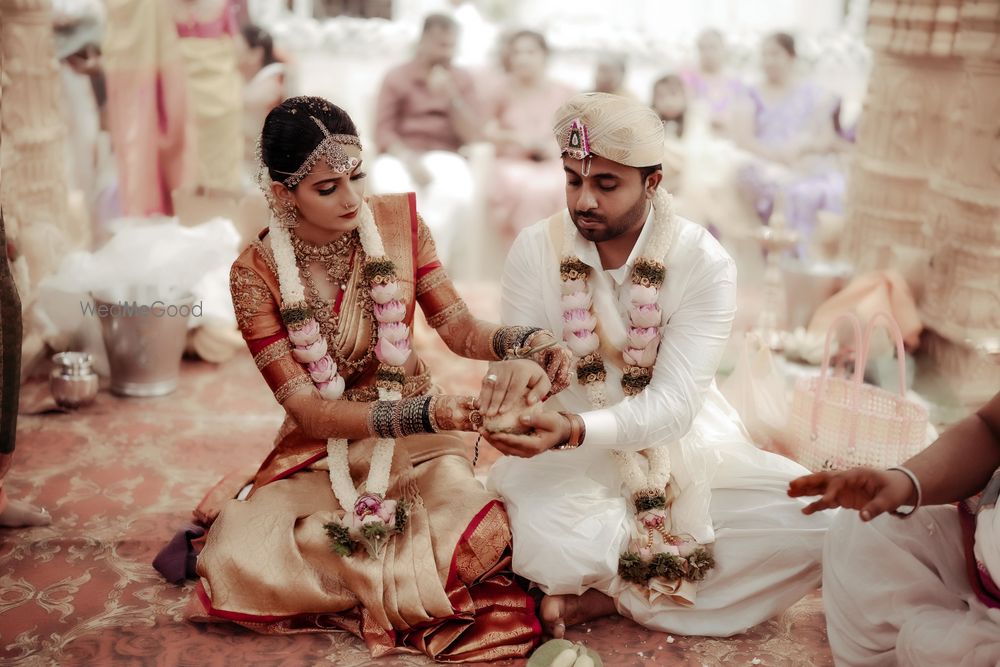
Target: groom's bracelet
[(577, 431)]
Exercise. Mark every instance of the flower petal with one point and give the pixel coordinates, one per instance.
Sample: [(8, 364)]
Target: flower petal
[(310, 352), (582, 342)]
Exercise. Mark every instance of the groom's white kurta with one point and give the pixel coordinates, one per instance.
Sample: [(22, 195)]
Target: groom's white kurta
[(569, 519)]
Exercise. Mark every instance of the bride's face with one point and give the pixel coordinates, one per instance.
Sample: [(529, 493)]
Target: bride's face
[(328, 200)]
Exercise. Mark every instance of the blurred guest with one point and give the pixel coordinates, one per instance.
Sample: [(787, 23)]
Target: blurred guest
[(698, 167), (671, 104), (786, 122), (712, 87), (147, 104), (427, 109), (609, 76), (208, 31), (264, 86), (78, 31), (527, 185)]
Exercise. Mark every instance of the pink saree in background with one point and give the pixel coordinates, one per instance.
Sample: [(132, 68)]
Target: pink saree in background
[(147, 105)]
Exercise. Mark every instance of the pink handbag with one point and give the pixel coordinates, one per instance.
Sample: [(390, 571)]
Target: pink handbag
[(840, 422)]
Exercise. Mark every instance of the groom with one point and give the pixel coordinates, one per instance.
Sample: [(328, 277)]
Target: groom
[(645, 300)]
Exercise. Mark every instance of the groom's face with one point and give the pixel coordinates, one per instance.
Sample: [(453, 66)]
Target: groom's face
[(606, 203)]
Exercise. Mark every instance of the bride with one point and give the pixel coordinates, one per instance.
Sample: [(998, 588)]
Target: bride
[(366, 516)]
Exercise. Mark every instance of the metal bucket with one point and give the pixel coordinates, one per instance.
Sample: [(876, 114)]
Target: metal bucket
[(144, 342)]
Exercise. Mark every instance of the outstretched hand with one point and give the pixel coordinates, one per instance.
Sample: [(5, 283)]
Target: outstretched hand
[(548, 430), (871, 491)]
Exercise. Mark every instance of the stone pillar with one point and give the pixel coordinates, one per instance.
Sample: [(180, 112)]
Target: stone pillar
[(33, 173), (925, 182)]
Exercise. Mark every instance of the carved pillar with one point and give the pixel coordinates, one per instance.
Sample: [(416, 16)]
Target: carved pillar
[(33, 176), (926, 179)]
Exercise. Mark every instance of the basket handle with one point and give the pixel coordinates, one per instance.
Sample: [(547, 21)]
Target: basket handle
[(859, 370), (897, 334)]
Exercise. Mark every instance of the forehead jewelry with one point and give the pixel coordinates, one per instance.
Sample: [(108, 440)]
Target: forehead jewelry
[(330, 150)]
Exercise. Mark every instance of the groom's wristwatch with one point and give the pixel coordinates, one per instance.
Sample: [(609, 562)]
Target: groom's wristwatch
[(577, 431)]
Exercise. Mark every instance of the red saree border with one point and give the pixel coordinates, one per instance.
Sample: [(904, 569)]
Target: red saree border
[(473, 526), (980, 581), (464, 539)]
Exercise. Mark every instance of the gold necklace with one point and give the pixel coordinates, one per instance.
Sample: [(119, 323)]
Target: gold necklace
[(337, 257)]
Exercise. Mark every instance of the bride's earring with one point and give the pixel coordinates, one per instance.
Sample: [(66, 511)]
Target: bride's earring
[(287, 214)]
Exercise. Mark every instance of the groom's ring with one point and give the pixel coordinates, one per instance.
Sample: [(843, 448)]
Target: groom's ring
[(491, 378)]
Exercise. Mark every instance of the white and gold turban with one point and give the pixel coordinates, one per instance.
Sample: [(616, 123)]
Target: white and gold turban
[(617, 128)]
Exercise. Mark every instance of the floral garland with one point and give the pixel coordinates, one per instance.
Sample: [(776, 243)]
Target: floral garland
[(369, 518), (660, 554)]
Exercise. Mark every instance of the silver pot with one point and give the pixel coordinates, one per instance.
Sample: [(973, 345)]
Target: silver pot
[(145, 343), (73, 382)]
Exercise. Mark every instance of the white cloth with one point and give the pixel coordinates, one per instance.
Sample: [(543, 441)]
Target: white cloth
[(569, 519), (444, 204), (897, 593)]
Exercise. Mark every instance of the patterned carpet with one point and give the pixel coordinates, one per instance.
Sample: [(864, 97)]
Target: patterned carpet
[(123, 474)]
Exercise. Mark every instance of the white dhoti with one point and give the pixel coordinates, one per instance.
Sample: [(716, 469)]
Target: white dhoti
[(445, 203), (897, 593), (570, 524)]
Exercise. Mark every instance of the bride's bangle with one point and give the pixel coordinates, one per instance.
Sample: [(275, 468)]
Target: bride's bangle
[(916, 485)]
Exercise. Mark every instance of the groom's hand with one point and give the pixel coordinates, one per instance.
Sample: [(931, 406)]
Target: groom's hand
[(550, 429), (508, 382)]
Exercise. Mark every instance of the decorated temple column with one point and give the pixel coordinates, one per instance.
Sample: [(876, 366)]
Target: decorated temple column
[(925, 184), (33, 172)]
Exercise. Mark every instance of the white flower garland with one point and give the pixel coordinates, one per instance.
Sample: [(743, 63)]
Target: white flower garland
[(670, 558), (643, 335), (392, 351)]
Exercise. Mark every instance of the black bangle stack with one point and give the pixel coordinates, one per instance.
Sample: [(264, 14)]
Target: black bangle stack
[(380, 419), (397, 419)]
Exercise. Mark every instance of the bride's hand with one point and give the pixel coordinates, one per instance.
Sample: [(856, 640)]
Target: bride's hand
[(457, 413), (556, 360), (508, 382)]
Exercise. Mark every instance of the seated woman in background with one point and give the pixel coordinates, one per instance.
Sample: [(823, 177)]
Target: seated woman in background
[(527, 183), (713, 89), (698, 167), (786, 123), (366, 516)]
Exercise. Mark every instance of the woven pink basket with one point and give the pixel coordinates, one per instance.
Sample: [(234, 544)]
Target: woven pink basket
[(839, 422)]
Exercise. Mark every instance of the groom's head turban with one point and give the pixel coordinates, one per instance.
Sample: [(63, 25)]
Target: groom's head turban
[(617, 128)]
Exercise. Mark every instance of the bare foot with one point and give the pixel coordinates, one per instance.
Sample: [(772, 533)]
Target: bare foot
[(561, 611), (19, 513)]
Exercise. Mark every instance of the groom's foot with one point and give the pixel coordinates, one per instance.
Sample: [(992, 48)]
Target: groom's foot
[(19, 513), (559, 612)]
